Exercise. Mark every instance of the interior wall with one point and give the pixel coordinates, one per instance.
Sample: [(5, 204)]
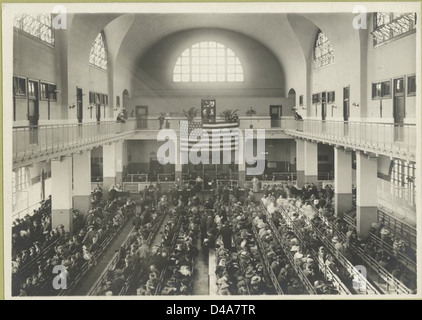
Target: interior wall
[(25, 48), (388, 61), (263, 85)]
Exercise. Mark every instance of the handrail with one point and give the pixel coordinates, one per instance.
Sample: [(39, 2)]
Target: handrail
[(270, 272), (384, 274), (299, 272), (160, 284), (370, 289), (110, 266), (342, 289)]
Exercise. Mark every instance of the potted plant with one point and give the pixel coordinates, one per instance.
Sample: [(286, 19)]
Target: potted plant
[(229, 115), (191, 113), (250, 113)]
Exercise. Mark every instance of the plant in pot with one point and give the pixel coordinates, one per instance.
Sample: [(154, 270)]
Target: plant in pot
[(250, 113), (229, 115), (191, 113)]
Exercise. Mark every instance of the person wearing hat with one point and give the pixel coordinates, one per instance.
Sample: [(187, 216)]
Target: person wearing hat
[(338, 245)]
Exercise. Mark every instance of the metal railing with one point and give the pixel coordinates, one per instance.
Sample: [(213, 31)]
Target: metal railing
[(401, 201), (393, 284), (137, 177), (32, 141), (388, 138)]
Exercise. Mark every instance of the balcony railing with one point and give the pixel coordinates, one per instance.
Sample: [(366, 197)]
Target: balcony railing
[(34, 141), (383, 138), (388, 139)]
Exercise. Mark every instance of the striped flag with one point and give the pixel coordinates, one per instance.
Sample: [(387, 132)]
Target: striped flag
[(216, 134)]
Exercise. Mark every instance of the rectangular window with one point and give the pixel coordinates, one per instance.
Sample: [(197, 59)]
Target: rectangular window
[(331, 97), (411, 85), (31, 89), (386, 89), (91, 97), (301, 100), (381, 90), (48, 91), (117, 101), (315, 98), (19, 87), (399, 86), (376, 91)]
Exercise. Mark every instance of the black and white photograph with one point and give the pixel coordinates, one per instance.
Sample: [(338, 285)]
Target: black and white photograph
[(211, 150)]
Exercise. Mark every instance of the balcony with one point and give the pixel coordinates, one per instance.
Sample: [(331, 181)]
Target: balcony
[(43, 142), (393, 140), (38, 143)]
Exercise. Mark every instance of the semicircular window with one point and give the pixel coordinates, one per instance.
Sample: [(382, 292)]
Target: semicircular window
[(208, 61)]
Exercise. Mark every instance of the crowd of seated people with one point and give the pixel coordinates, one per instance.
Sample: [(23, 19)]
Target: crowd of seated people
[(316, 206), (32, 233), (72, 251), (178, 276), (239, 269), (134, 254)]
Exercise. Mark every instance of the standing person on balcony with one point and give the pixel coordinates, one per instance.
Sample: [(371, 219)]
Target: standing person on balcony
[(161, 119), (168, 118)]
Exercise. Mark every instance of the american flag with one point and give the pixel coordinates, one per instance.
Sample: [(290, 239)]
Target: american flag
[(213, 143)]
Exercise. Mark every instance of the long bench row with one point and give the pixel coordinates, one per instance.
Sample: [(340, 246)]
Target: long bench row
[(98, 286), (393, 284), (328, 274)]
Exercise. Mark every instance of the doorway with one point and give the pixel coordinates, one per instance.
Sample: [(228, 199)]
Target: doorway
[(346, 109), (79, 105), (399, 110), (141, 117), (98, 112), (324, 106), (33, 110), (275, 114)]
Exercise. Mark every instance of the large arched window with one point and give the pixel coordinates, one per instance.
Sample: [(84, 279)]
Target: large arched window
[(323, 51), (98, 55), (208, 61)]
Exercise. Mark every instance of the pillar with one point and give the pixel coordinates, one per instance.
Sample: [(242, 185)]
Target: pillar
[(109, 166), (119, 149), (366, 195), (311, 162), (61, 193), (82, 181), (241, 167), (300, 162), (178, 165), (343, 197)]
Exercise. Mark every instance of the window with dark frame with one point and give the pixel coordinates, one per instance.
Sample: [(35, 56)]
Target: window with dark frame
[(331, 97), (117, 101), (31, 89), (411, 85), (19, 87), (301, 100), (381, 90), (48, 91)]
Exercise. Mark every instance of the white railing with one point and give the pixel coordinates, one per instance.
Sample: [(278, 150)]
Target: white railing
[(381, 137), (31, 141), (399, 200)]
